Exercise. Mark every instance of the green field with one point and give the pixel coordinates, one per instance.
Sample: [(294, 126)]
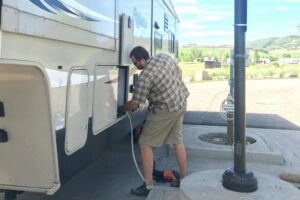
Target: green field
[(190, 71)]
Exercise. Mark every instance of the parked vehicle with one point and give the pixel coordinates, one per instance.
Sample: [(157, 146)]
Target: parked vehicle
[(64, 70)]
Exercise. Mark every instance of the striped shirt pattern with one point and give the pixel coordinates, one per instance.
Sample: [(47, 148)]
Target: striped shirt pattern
[(160, 83)]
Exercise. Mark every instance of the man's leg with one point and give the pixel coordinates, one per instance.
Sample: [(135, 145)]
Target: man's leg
[(181, 159), (147, 159)]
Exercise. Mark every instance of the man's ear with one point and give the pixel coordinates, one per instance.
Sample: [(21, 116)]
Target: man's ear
[(143, 61)]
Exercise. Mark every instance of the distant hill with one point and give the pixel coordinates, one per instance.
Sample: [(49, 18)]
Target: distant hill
[(271, 48), (288, 43)]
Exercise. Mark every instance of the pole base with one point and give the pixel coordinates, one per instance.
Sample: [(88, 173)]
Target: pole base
[(239, 182)]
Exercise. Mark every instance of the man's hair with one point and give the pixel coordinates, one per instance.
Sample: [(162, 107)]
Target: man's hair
[(139, 53)]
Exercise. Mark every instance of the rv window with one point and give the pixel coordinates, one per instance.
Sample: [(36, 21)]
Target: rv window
[(157, 40), (171, 42)]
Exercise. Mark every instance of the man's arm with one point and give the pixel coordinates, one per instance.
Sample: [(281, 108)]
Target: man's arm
[(130, 105)]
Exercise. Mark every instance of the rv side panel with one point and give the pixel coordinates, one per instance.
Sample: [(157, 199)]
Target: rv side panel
[(79, 24)]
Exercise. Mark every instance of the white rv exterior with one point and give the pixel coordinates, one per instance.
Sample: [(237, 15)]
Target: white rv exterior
[(64, 70)]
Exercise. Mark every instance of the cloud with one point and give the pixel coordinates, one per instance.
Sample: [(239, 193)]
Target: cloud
[(223, 13), (280, 8), (199, 19), (206, 33), (190, 26), (260, 10), (184, 1), (294, 31), (214, 7), (288, 1), (188, 9), (192, 12), (208, 19), (204, 11)]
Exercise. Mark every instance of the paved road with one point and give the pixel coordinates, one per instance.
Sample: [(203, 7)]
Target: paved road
[(277, 97), (109, 178)]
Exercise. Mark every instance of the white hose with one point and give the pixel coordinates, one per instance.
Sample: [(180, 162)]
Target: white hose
[(132, 148)]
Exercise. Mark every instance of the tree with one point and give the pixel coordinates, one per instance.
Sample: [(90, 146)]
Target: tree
[(196, 53), (256, 56), (286, 55), (225, 56)]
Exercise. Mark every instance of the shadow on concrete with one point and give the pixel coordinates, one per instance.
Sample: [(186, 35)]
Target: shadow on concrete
[(254, 120)]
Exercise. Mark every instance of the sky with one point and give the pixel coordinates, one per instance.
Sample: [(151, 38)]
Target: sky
[(210, 22)]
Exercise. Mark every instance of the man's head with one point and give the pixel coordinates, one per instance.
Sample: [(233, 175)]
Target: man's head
[(139, 56)]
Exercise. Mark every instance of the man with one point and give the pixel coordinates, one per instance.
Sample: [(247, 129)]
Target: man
[(160, 83)]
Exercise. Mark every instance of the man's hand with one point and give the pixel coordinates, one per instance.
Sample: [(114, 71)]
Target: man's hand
[(130, 105)]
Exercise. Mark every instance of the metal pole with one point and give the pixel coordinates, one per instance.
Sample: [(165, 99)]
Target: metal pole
[(238, 178), (240, 27)]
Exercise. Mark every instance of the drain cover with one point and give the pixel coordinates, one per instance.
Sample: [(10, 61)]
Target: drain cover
[(221, 138)]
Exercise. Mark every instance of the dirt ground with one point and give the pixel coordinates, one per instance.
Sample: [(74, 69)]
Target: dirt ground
[(280, 97)]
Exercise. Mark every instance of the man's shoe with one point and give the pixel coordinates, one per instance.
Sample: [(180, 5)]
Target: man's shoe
[(141, 191), (175, 179)]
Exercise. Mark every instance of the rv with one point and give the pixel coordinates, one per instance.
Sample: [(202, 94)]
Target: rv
[(64, 70)]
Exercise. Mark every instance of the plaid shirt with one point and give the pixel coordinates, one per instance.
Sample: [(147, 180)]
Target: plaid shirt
[(161, 85)]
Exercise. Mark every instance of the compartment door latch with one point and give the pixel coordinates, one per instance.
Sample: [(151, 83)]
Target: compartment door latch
[(3, 136)]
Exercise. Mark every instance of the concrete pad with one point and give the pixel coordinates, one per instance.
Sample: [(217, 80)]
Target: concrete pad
[(207, 185), (166, 193), (263, 150)]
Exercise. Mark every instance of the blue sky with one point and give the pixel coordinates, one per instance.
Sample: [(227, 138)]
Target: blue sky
[(210, 22)]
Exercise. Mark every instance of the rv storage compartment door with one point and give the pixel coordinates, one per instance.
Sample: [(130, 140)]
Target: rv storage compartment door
[(105, 97), (77, 110), (28, 160)]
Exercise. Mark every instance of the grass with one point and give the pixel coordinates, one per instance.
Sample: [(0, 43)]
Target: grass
[(189, 69), (254, 71), (271, 71)]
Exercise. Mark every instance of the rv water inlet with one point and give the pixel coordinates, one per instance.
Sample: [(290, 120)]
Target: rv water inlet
[(135, 81), (3, 136)]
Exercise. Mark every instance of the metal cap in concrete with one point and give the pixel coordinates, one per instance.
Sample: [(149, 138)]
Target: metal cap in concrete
[(207, 185), (263, 150)]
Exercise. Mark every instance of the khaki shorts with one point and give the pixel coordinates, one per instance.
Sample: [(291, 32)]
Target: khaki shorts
[(163, 127)]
